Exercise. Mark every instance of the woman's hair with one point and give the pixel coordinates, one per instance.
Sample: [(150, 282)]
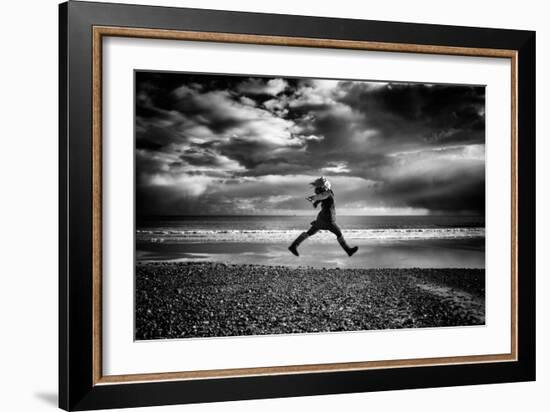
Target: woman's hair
[(322, 183)]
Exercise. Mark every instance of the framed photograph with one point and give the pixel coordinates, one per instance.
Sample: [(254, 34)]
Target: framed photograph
[(256, 206)]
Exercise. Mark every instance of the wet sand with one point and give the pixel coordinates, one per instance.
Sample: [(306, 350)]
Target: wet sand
[(372, 254), (183, 300)]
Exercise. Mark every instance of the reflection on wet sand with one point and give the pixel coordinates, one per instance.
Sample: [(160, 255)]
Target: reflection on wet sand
[(421, 253)]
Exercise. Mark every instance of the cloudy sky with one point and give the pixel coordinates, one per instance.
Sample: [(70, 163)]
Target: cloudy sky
[(211, 144)]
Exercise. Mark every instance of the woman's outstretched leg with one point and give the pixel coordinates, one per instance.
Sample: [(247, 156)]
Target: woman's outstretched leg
[(303, 236), (349, 250), (294, 247), (340, 237)]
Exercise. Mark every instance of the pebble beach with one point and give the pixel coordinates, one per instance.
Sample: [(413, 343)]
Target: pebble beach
[(191, 299)]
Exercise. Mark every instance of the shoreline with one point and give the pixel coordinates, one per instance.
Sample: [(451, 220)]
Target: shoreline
[(190, 262), (207, 299), (418, 253)]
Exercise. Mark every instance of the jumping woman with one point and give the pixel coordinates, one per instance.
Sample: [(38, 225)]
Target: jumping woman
[(326, 219)]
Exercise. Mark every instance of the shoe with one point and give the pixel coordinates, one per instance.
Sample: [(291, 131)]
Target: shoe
[(351, 251), (294, 247)]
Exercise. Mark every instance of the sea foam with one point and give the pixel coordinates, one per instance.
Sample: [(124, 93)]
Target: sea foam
[(280, 235)]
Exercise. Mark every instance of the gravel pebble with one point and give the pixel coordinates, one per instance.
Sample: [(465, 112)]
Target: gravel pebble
[(175, 300)]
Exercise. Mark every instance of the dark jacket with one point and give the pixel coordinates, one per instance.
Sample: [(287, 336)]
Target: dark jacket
[(327, 215)]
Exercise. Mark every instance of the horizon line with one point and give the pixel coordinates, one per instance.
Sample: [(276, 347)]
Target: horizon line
[(303, 215)]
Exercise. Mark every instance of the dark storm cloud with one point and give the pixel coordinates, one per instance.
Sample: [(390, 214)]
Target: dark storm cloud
[(432, 112), (233, 144), (464, 190)]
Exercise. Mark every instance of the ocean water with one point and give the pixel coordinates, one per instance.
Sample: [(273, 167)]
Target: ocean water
[(384, 241)]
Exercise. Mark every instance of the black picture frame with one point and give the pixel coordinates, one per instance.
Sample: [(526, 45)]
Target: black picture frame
[(77, 387)]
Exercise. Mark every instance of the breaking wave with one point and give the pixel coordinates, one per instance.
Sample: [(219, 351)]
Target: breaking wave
[(277, 235)]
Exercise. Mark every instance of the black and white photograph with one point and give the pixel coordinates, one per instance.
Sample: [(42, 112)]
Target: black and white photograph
[(216, 206), (273, 205)]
